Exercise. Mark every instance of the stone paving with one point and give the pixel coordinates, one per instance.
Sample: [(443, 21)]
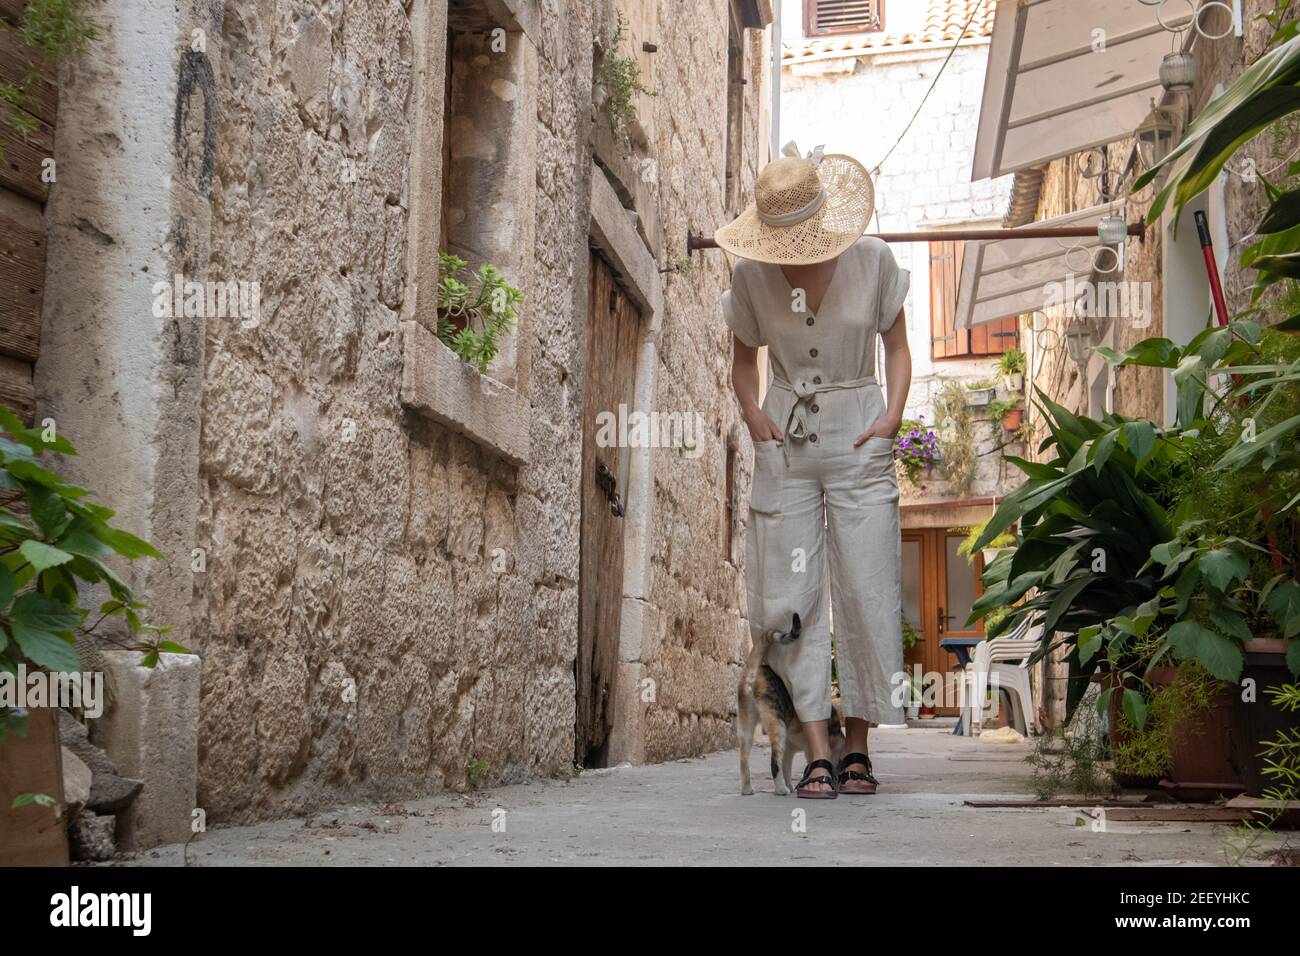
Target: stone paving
[(690, 812)]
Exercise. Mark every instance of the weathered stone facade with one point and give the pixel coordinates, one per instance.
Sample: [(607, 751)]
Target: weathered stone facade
[(382, 575)]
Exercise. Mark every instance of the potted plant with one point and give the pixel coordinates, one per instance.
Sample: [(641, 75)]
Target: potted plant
[(979, 394), (475, 310), (54, 547), (1008, 411), (914, 696), (1233, 565), (916, 450), (1011, 366), (990, 551)]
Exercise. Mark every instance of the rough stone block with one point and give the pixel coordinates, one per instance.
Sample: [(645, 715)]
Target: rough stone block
[(439, 385), (76, 782), (91, 836), (152, 733)]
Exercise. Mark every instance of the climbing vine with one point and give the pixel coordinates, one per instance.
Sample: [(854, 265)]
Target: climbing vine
[(956, 437)]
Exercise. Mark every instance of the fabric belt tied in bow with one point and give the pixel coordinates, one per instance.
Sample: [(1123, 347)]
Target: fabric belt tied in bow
[(796, 423)]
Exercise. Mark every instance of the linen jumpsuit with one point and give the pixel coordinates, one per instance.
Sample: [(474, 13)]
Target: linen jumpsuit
[(817, 500)]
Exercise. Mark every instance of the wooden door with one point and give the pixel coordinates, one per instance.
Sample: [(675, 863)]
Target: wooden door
[(939, 586), (612, 322)]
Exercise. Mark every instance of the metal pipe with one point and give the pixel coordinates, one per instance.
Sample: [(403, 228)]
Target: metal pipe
[(1138, 229)]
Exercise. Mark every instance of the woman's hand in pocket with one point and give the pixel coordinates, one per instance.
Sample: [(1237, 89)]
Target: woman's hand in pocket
[(761, 427), (885, 427)]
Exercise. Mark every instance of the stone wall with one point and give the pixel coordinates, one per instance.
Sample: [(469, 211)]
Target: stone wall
[(699, 630), (384, 603)]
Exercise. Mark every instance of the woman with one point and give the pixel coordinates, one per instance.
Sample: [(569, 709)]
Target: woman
[(817, 293)]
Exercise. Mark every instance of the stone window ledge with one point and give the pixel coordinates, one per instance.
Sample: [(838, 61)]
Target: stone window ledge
[(438, 385)]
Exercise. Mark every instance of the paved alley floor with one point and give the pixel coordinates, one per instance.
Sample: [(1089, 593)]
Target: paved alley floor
[(691, 812)]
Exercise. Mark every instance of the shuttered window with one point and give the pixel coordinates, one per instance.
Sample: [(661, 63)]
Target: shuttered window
[(946, 340), (821, 17)]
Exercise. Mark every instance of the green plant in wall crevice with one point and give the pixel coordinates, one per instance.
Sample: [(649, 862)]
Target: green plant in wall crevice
[(619, 78), (475, 310)]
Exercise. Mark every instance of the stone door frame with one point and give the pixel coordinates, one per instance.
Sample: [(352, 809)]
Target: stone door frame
[(612, 233)]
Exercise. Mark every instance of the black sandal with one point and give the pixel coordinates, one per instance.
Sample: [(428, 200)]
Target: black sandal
[(855, 781), (823, 779)]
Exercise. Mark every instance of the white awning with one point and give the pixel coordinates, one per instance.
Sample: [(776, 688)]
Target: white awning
[(1053, 89), (1001, 278)]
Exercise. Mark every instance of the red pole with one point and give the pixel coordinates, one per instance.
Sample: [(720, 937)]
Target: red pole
[(1211, 267)]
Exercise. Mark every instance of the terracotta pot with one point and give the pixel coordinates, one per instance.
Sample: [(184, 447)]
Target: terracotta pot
[(1201, 758), (1011, 420), (1201, 754), (1115, 734), (1261, 719), (458, 322)]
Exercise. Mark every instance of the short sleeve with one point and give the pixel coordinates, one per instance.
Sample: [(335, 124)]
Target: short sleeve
[(738, 312), (893, 283)]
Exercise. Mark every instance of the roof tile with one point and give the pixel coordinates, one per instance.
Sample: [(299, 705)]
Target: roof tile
[(943, 21)]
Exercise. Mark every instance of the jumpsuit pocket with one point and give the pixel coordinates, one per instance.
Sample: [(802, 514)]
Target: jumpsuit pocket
[(769, 478), (879, 452)]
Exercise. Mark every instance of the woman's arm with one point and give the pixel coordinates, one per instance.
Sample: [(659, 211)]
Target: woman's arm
[(898, 379), (744, 379)]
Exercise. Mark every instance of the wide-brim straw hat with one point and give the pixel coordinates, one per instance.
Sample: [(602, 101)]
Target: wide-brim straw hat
[(805, 209)]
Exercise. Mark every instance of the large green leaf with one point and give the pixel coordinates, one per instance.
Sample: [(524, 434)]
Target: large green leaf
[(126, 544), (1135, 708), (41, 556), (1244, 450), (41, 628), (48, 510), (1141, 440), (1218, 655), (1222, 566), (1284, 213), (1284, 606), (1230, 134)]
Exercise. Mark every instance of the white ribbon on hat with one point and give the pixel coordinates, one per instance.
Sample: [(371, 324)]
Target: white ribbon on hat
[(799, 215), (792, 149)]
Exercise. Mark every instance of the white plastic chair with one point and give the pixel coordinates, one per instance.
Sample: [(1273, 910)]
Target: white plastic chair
[(1002, 664)]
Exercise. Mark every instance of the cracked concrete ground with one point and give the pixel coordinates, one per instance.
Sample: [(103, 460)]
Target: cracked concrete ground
[(690, 812)]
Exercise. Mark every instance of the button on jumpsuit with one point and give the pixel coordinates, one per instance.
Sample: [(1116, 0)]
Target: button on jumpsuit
[(816, 500)]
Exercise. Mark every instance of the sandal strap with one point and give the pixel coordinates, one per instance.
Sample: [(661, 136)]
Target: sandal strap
[(853, 758), (857, 775), (823, 778), (846, 774)]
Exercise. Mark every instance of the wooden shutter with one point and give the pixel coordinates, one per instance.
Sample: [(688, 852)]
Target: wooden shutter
[(946, 340), (994, 338), (822, 17)]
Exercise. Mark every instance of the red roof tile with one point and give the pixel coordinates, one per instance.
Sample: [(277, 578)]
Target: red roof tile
[(943, 21)]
